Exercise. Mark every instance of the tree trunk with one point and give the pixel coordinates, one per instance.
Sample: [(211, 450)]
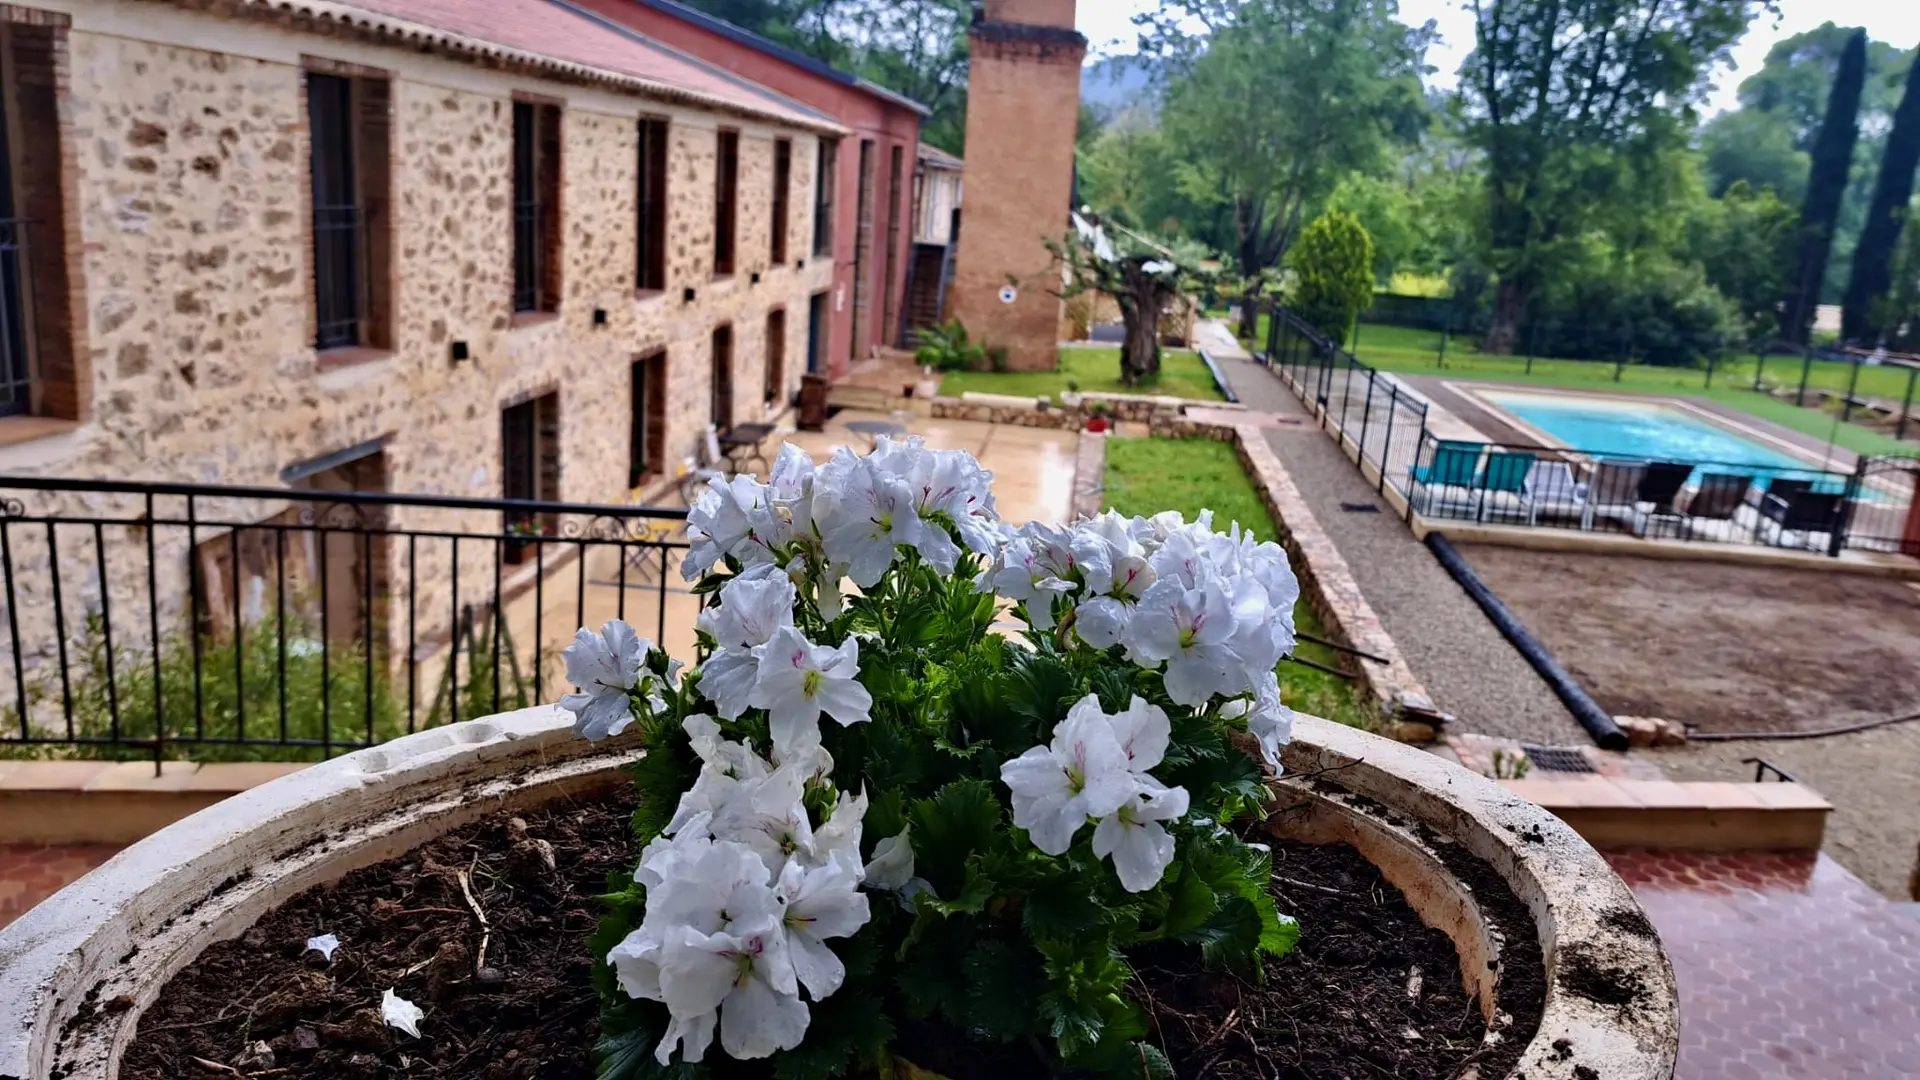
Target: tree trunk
[(1140, 354), (1510, 302), (1873, 258), (1832, 158)]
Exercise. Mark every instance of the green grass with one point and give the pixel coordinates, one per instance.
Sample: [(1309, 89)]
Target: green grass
[(1146, 476), (1396, 348), (1182, 374)]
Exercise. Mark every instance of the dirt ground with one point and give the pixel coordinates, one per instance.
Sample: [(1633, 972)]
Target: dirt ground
[(1739, 648), (1722, 648)]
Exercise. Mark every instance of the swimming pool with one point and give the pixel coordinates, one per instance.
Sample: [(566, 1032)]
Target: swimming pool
[(1648, 431)]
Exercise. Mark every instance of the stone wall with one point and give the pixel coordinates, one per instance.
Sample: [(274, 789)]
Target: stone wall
[(193, 199)]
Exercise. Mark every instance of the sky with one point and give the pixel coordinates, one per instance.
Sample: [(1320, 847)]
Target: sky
[(1106, 23)]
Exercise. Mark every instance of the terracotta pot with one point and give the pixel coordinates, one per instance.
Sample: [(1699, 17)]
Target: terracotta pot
[(118, 934)]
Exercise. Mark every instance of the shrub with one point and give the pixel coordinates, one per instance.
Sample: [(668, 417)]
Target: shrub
[(870, 811), (1333, 273), (947, 348)]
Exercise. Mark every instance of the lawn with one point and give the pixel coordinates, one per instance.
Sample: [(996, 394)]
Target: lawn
[(1395, 348), (1146, 476), (1182, 374)]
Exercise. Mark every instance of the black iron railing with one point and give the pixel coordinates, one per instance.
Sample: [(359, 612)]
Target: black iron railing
[(1379, 422), (224, 623), (16, 367)]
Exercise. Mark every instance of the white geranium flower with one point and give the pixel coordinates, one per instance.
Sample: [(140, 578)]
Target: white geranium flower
[(750, 611), (605, 666), (718, 523), (1143, 729), (822, 902), (864, 514), (398, 1012), (325, 945), (892, 865), (1269, 721), (746, 978), (800, 680), (1082, 774), (1134, 839), (838, 837), (766, 816), (726, 765), (1190, 629), (950, 485), (1033, 568)]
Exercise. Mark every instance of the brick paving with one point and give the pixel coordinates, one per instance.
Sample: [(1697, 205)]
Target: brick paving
[(1788, 965), (29, 873)]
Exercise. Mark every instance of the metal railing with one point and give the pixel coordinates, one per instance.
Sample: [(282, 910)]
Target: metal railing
[(1811, 509), (244, 623), (1377, 420)]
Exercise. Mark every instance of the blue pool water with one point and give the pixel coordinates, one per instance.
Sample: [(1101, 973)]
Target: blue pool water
[(1648, 432)]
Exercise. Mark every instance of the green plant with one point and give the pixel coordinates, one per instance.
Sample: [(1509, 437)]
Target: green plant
[(1333, 273), (1511, 765), (947, 348), (871, 811)]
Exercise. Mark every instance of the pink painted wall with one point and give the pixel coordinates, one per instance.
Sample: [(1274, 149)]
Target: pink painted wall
[(869, 116)]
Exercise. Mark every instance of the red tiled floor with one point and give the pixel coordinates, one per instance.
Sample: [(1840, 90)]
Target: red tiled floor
[(29, 873), (1789, 966)]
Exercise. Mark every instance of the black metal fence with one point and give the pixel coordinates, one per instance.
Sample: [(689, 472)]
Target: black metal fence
[(1378, 422), (234, 623), (1825, 511)]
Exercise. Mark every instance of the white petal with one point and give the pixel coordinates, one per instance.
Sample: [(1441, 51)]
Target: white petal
[(757, 1021), (400, 1013), (846, 701), (816, 966), (692, 1033), (325, 944), (892, 865), (727, 679)]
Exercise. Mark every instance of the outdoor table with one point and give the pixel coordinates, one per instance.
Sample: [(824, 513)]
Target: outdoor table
[(741, 444)]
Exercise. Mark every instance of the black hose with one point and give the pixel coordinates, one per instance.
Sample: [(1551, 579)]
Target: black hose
[(1595, 719), (1219, 378), (1788, 736)]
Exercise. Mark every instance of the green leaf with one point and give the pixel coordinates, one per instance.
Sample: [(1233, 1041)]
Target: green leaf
[(845, 1029), (970, 900), (1231, 938), (630, 1032), (1000, 976), (1190, 903), (962, 819), (1124, 1060)]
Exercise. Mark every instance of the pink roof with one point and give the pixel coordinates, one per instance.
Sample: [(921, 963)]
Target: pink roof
[(557, 32)]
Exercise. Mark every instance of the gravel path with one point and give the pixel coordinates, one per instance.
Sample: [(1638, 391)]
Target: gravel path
[(1467, 667)]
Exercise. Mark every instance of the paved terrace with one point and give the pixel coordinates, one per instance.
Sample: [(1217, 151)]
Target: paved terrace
[(1465, 664)]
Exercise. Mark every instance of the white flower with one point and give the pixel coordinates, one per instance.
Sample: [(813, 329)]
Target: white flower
[(605, 666), (892, 865), (398, 1012), (863, 514), (725, 766), (822, 902), (1134, 839), (1268, 721), (766, 815), (325, 945), (799, 680), (751, 610), (838, 837), (1082, 774), (950, 485), (1033, 568), (1189, 628), (718, 523), (1143, 729), (745, 977)]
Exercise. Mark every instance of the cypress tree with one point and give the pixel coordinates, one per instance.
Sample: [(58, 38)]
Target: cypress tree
[(1873, 258), (1826, 186)]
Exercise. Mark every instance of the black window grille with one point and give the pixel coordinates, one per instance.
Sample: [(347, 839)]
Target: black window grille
[(339, 241), (529, 249), (722, 404), (824, 187), (782, 190), (653, 206), (726, 203), (16, 367)]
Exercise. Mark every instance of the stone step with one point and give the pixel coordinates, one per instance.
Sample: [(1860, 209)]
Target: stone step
[(1672, 815), (106, 802), (844, 396)]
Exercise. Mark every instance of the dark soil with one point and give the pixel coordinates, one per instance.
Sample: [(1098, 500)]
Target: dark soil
[(1370, 991), (1346, 1003), (260, 1003)]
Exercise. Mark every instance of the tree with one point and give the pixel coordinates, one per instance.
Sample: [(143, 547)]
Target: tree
[(1571, 103), (1276, 102), (1755, 148), (1826, 187), (1141, 274), (1333, 274), (1745, 242), (1873, 258)]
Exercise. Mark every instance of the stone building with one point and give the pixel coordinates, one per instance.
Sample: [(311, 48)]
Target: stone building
[(1023, 110), (437, 247), (867, 236)]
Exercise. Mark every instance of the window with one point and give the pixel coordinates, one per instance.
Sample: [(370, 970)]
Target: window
[(40, 371), (782, 185), (536, 207), (530, 459), (646, 455), (348, 124), (652, 276), (817, 334), (726, 202), (863, 255), (895, 180), (721, 408), (826, 180), (776, 355)]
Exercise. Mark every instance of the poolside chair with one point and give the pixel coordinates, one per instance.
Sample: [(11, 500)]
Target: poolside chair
[(1805, 513), (1718, 498), (1503, 485), (1656, 500), (1450, 478), (707, 463), (1612, 491), (1552, 489), (1784, 486)]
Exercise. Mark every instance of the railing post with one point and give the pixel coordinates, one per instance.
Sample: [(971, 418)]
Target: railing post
[(1441, 361), (1533, 344), (1386, 448), (1853, 380), (1620, 368), (1711, 358), (1806, 369), (1906, 406), (1843, 514), (1366, 417), (1759, 368)]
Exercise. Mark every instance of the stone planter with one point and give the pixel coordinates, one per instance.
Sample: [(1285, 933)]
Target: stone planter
[(77, 971)]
